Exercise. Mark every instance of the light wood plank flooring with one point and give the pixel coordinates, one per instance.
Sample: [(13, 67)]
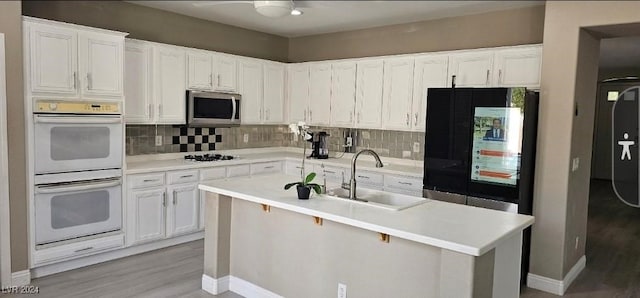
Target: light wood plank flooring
[(613, 249), (170, 272), (613, 263)]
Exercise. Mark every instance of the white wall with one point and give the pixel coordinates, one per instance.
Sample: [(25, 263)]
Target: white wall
[(5, 247)]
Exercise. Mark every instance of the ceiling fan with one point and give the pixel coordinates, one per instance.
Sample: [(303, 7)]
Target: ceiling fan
[(272, 9)]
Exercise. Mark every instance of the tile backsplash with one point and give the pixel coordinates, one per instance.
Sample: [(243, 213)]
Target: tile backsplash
[(140, 139)]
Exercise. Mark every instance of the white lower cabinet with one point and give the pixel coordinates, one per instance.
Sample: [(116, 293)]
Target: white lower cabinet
[(183, 209), (146, 208)]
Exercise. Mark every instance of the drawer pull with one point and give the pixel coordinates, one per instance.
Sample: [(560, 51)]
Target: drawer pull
[(269, 167), (84, 249), (186, 176), (405, 183), (150, 180), (364, 177), (330, 172)]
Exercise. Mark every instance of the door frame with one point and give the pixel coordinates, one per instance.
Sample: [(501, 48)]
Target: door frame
[(5, 231)]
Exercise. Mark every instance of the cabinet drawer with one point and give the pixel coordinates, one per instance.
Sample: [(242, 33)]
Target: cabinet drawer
[(238, 171), (333, 173), (213, 173), (266, 167), (146, 180), (369, 178), (403, 182), (293, 168), (77, 249), (182, 177)]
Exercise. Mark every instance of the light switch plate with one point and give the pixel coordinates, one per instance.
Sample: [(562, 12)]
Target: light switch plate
[(575, 164), (158, 140), (416, 147), (406, 154)]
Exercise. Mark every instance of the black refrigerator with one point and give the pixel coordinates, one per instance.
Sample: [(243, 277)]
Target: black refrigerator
[(480, 149)]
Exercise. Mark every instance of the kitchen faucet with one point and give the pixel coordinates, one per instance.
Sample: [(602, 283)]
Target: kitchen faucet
[(352, 184)]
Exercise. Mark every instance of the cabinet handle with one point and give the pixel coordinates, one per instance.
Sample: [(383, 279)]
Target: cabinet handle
[(211, 80), (305, 115), (405, 183), (364, 177), (83, 249), (89, 82), (408, 119), (416, 121), (350, 116), (487, 82), (74, 80), (218, 80), (359, 117), (175, 196), (150, 180), (164, 199), (151, 111), (330, 172), (310, 116), (500, 76), (186, 176), (159, 110), (269, 167)]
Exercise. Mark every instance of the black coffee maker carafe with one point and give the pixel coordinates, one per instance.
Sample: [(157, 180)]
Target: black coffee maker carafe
[(320, 145)]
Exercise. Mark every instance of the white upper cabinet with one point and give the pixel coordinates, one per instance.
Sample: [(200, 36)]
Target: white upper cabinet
[(251, 88), (53, 59), (169, 84), (519, 67), (397, 94), (298, 92), (472, 69), (101, 64), (273, 96), (319, 94), (369, 83), (139, 107), (430, 72), (343, 94), (199, 70), (224, 73), (74, 62)]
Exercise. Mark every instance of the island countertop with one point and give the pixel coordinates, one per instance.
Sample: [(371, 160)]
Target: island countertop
[(464, 229)]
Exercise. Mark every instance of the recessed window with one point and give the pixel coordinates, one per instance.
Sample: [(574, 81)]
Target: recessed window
[(612, 95)]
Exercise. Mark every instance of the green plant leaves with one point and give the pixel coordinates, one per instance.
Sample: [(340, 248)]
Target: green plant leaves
[(309, 178), (289, 185)]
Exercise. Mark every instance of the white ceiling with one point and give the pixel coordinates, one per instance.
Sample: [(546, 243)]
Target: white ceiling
[(332, 16), (621, 52)]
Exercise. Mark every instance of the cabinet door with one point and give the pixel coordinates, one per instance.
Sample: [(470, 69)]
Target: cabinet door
[(199, 71), (53, 59), (137, 83), (147, 214), (183, 209), (471, 69), (343, 94), (169, 84), (429, 72), (518, 67), (319, 94), (369, 94), (251, 91), (397, 94), (298, 92), (101, 64), (273, 96), (225, 73)]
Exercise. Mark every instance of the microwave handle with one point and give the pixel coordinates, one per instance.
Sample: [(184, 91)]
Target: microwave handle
[(233, 112), (78, 120), (68, 188)]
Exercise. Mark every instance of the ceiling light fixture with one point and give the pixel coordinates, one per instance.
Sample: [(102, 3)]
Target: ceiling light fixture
[(296, 12), (273, 9)]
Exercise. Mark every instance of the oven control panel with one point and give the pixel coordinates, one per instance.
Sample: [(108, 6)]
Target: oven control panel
[(76, 107)]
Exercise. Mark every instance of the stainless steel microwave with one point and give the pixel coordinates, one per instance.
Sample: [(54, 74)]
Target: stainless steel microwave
[(212, 109)]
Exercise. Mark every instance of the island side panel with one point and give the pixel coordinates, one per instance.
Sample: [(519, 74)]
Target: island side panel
[(507, 267), (289, 254), (217, 235), (466, 276)]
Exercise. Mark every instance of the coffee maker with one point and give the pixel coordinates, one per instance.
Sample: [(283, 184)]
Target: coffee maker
[(320, 145)]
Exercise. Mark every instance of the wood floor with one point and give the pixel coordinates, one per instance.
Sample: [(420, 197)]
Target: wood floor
[(171, 272), (613, 263), (613, 249)]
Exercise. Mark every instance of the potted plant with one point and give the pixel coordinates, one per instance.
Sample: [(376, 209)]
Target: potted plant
[(304, 187), (301, 130)]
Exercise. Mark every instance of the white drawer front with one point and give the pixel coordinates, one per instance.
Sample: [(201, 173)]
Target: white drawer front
[(266, 167), (403, 182), (78, 249), (213, 173), (293, 168), (182, 177), (369, 178), (238, 171), (333, 173), (146, 180), (409, 192)]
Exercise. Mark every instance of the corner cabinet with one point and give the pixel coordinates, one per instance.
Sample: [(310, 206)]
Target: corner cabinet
[(319, 94), (472, 69), (250, 87), (169, 84), (273, 96), (519, 67), (71, 61), (298, 98)]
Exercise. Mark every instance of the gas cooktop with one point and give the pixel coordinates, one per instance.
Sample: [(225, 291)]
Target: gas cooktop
[(208, 157)]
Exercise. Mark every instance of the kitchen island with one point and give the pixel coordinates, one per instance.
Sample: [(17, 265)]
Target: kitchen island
[(261, 241)]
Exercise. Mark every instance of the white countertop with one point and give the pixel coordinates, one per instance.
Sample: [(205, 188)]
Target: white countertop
[(469, 230), (158, 163)]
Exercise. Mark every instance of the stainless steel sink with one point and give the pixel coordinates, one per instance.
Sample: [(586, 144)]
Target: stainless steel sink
[(376, 198)]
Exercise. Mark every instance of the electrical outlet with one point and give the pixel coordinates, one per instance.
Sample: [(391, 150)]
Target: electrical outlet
[(158, 140), (245, 138), (416, 147), (349, 142), (577, 241), (342, 290), (575, 164)]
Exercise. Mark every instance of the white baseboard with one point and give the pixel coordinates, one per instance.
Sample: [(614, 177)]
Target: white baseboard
[(215, 286), (554, 286), (20, 278), (236, 285), (112, 255)]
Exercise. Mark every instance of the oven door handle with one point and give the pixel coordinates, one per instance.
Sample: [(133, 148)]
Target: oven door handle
[(83, 186), (233, 112), (78, 120)]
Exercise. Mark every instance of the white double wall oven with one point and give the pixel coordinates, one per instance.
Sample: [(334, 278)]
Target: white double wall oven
[(78, 169)]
